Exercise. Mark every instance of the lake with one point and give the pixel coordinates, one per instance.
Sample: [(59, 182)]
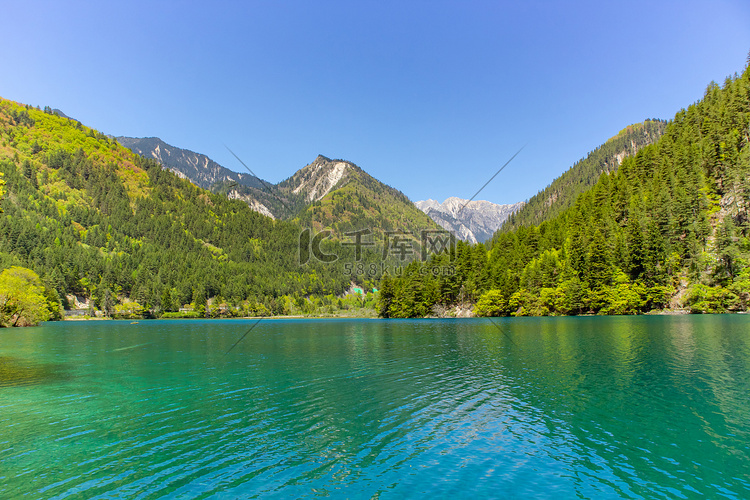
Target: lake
[(596, 407)]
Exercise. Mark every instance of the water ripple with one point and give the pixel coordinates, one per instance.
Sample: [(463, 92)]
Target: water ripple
[(589, 407)]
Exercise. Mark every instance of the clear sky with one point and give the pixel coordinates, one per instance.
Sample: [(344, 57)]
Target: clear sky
[(431, 97)]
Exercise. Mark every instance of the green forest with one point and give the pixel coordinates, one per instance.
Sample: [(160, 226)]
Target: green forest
[(668, 229), (91, 221)]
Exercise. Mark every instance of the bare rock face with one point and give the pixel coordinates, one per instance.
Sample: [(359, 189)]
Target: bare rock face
[(318, 178), (338, 194), (472, 221), (197, 168), (202, 171)]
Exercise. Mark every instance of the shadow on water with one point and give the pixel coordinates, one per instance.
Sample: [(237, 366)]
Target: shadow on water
[(16, 372)]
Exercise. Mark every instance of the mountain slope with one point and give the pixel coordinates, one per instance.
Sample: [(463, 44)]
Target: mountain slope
[(199, 169), (206, 173), (317, 179), (473, 221), (564, 190), (344, 198)]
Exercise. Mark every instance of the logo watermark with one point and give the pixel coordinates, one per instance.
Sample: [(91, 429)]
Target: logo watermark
[(394, 251)]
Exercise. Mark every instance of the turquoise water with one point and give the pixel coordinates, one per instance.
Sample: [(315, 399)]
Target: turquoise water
[(655, 407)]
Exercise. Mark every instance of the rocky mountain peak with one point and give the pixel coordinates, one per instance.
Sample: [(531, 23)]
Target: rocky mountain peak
[(473, 221), (318, 178)]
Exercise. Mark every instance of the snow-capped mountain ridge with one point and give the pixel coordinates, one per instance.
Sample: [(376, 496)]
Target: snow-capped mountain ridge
[(473, 221)]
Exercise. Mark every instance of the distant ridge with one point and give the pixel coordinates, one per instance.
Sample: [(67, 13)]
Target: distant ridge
[(472, 221), (198, 168), (61, 114), (208, 174)]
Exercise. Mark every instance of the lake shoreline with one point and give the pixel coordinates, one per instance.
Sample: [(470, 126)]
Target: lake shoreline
[(664, 312)]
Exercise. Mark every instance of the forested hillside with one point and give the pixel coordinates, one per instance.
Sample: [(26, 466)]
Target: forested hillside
[(564, 190), (94, 220), (669, 228)]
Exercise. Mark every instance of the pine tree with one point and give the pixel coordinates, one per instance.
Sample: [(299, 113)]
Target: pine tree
[(727, 251), (576, 250), (599, 267), (386, 296), (635, 242), (654, 269)]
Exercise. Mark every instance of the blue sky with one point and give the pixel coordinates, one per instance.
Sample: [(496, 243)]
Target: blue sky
[(431, 97)]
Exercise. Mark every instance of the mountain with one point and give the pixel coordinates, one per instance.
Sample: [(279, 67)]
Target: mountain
[(314, 181), (199, 169), (340, 196), (59, 112), (564, 190), (473, 221), (111, 229), (335, 194), (108, 229), (206, 173), (665, 228)]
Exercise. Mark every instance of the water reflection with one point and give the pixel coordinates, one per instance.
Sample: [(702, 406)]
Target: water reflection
[(18, 372)]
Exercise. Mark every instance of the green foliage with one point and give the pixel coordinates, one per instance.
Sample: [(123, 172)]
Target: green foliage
[(740, 289), (659, 296), (523, 303), (184, 314), (710, 299), (23, 299), (491, 303), (571, 297), (386, 296), (127, 310), (627, 240), (414, 294), (728, 252), (95, 220), (357, 202), (622, 298)]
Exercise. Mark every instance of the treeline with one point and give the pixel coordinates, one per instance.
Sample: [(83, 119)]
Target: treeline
[(669, 228), (177, 243)]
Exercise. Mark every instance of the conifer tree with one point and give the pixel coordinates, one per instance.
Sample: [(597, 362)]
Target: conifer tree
[(386, 296), (635, 243), (598, 264)]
